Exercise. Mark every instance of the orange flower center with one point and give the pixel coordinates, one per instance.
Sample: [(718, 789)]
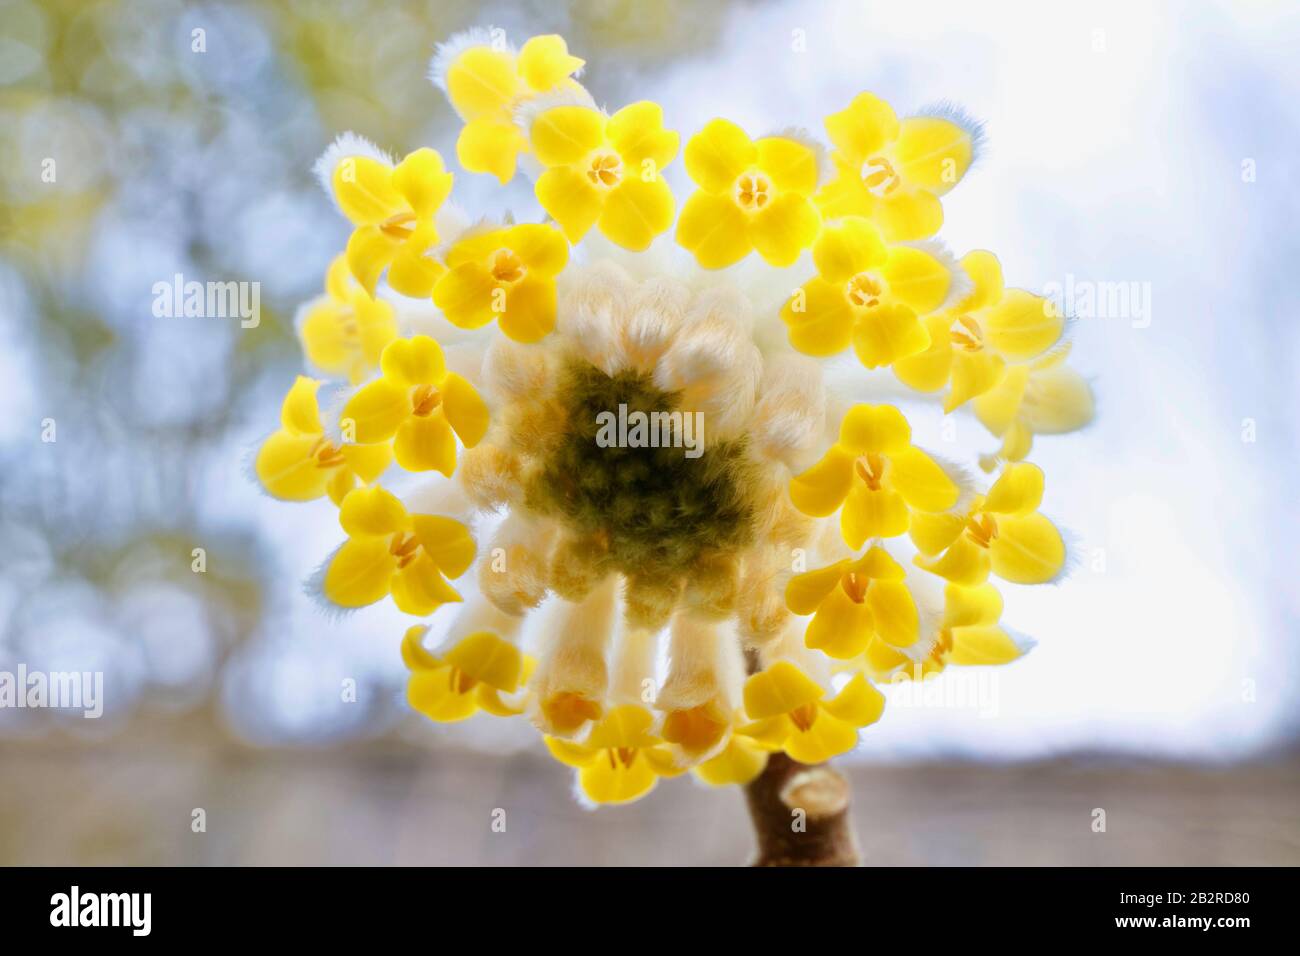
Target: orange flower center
[(605, 169), (804, 716), (621, 755), (871, 469), (966, 334), (855, 586), (398, 227), (865, 290), (424, 399), (507, 266), (753, 191), (879, 177), (567, 711), (460, 682), (404, 546), (326, 453), (982, 529)]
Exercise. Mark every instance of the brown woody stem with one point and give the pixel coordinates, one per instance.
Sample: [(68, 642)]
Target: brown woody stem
[(801, 815)]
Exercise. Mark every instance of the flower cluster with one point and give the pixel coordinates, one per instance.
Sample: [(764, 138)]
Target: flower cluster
[(735, 574)]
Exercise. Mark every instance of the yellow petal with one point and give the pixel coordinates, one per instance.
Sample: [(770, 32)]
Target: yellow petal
[(928, 370), (964, 563), (571, 200), (369, 252), (1058, 400), (717, 155), (784, 227), (627, 725), (875, 428), (565, 135), (287, 469), (414, 361), (571, 754), (827, 737), (1019, 490), (426, 443), (848, 247), (985, 273), (436, 694), (878, 564), (864, 128), (858, 703), (364, 190), (983, 645), (921, 481), (414, 271), (613, 782), (931, 533), (446, 541), (805, 592), (872, 514), (819, 319), (999, 406), (779, 689), (790, 164), (423, 181), (916, 278), (1022, 325), (420, 589), (821, 489), (841, 628), (375, 411), (973, 373), (491, 144), (465, 409), (894, 611), (1027, 550), (529, 314), (932, 153), (545, 62), (322, 336), (906, 215), (482, 80), (637, 133), (368, 462), (888, 333), (740, 762), (967, 607), (299, 412), (540, 248), (464, 295), (636, 211), (372, 511), (715, 229), (360, 573), (489, 658)]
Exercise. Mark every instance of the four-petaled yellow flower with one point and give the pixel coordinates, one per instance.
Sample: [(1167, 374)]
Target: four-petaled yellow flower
[(1042, 397), (621, 759), (866, 294), (471, 676), (752, 195), (790, 711), (393, 209), (972, 343), (417, 403), (854, 601), (487, 86), (606, 171), (1001, 532), (299, 463), (390, 551), (876, 474), (344, 331), (507, 275), (893, 172)]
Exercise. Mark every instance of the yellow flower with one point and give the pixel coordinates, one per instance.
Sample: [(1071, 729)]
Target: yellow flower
[(866, 294), (972, 343), (1042, 397), (853, 601), (606, 171), (1002, 532), (621, 760), (344, 331), (486, 86), (893, 172), (878, 476), (393, 209), (752, 195), (390, 551), (790, 711), (506, 274), (469, 677), (299, 463), (417, 403), (740, 761)]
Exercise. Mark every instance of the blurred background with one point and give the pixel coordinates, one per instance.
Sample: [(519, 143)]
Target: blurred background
[(1143, 143)]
